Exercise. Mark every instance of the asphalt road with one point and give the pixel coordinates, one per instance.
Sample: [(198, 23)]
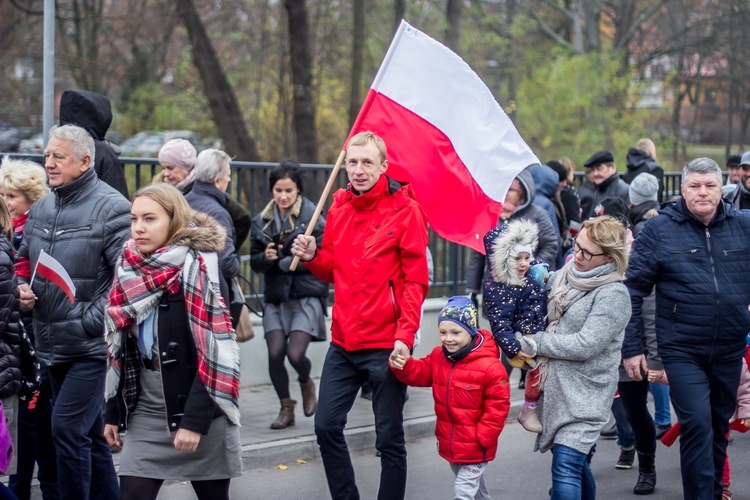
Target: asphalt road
[(516, 473)]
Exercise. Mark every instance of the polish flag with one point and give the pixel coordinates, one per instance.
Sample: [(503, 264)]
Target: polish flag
[(446, 135), (51, 269)]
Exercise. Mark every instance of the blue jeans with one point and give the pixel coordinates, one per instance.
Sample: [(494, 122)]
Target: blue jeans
[(35, 445), (625, 434), (662, 413), (343, 374), (84, 459), (571, 476), (704, 396)]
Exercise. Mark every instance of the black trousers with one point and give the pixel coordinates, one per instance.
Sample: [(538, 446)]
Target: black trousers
[(343, 374)]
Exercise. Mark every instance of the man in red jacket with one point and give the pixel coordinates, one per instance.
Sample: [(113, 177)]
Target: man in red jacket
[(374, 252)]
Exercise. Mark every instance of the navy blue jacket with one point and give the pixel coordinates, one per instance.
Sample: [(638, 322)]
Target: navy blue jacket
[(513, 304), (702, 278)]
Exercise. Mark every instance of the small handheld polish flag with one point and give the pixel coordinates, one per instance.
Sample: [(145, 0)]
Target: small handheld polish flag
[(51, 269)]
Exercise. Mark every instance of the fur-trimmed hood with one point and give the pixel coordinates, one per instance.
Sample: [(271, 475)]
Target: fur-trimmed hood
[(203, 234), (268, 217), (503, 264)]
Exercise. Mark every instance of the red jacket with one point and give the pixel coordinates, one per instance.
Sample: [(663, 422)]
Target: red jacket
[(472, 399), (374, 252)]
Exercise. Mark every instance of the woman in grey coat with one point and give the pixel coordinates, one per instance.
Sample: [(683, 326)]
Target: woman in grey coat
[(588, 308)]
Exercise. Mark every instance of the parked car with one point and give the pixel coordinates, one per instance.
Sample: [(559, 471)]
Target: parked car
[(33, 144), (148, 143), (11, 137)]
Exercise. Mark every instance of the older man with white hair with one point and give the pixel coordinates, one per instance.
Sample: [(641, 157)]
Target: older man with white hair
[(83, 224)]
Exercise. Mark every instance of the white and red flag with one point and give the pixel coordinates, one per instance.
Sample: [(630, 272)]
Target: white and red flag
[(446, 135), (50, 268)]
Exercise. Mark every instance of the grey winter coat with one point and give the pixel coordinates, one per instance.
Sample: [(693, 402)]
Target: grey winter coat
[(526, 210), (584, 353), (83, 225)]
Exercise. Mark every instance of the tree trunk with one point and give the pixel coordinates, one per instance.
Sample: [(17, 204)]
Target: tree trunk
[(225, 111), (453, 16), (399, 10), (358, 51), (304, 111)]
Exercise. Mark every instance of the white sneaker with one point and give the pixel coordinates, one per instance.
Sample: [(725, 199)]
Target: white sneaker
[(529, 420)]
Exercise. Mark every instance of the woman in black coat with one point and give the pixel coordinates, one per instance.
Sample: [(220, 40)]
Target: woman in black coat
[(295, 300)]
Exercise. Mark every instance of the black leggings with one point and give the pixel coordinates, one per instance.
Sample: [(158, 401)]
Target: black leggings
[(295, 349), (634, 396), (143, 488)]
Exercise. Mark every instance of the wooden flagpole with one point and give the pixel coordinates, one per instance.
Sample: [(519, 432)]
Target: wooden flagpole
[(322, 201)]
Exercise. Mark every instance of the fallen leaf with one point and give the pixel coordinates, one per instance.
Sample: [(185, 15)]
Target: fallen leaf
[(300, 461), (283, 467)]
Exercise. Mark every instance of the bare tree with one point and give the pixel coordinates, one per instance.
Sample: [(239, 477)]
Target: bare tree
[(224, 108), (304, 111)]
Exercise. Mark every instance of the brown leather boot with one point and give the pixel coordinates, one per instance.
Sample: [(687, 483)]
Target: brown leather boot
[(286, 415), (309, 398)]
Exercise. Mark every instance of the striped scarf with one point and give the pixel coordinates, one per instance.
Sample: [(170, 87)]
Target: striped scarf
[(139, 284)]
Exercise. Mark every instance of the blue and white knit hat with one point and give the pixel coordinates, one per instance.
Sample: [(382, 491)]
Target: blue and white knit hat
[(462, 311)]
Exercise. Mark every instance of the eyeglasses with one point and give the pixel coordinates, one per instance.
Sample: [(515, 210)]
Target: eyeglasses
[(585, 253)]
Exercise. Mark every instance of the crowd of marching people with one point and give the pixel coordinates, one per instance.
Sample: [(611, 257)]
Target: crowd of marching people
[(117, 336)]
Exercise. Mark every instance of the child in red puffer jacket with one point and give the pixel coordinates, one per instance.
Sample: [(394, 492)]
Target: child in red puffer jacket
[(471, 392)]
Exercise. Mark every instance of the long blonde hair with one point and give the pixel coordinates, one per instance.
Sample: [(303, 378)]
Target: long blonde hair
[(608, 233)]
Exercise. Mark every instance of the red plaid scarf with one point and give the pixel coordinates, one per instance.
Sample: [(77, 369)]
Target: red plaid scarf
[(139, 284)]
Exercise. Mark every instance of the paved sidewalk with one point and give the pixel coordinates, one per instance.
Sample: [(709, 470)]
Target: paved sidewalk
[(263, 446)]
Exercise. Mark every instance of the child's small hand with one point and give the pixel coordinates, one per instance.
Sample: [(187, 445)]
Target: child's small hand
[(745, 422), (655, 375), (397, 361)]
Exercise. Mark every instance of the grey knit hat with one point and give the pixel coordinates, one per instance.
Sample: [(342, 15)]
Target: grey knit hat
[(645, 187)]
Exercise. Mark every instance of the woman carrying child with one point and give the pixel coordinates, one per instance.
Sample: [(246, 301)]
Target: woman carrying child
[(588, 308)]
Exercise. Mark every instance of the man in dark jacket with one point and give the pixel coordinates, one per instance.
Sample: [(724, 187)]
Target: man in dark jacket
[(606, 183), (642, 158), (693, 251), (83, 224), (518, 205), (741, 195), (93, 112)]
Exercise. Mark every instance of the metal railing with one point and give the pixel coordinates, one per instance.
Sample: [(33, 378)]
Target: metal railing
[(250, 187)]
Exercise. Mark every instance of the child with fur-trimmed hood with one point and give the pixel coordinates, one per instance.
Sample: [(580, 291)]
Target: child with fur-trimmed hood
[(516, 301)]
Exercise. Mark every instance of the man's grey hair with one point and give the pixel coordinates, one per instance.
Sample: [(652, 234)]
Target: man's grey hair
[(702, 166), (211, 164), (81, 142)]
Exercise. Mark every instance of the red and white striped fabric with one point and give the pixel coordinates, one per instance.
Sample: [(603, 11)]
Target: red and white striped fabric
[(50, 268), (445, 134)]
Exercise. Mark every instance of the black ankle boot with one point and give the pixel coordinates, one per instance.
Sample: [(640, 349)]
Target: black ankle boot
[(646, 474)]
